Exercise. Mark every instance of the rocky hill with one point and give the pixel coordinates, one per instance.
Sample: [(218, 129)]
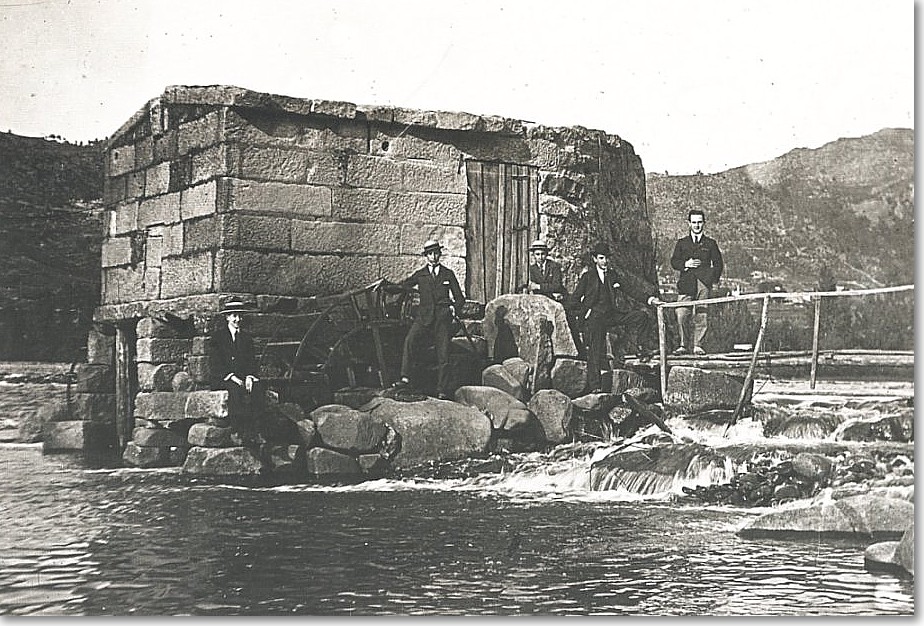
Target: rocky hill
[(50, 234), (844, 210)]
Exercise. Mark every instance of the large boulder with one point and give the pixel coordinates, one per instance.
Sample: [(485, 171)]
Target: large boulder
[(553, 409), (813, 467), (136, 455), (349, 430), (209, 436), (32, 422), (236, 462), (868, 516), (521, 372), (694, 390), (892, 556), (433, 430), (330, 464), (512, 327), (501, 378), (569, 376), (496, 403), (898, 427)]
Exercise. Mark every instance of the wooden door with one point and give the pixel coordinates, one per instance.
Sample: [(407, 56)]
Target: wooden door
[(503, 218)]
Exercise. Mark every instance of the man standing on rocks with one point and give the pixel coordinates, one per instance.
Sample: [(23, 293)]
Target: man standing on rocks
[(441, 301), (699, 261), (599, 303), (234, 369), (544, 274)]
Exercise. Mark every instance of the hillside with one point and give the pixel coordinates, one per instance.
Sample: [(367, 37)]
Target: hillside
[(847, 206), (50, 234)]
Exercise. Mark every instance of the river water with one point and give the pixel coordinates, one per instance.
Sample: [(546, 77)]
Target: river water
[(82, 541)]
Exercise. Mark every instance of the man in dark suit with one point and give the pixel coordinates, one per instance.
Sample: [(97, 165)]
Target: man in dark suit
[(699, 261), (441, 301), (599, 300), (544, 274), (234, 368)]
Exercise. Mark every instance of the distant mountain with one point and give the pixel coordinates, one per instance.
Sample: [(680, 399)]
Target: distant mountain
[(50, 235), (845, 209)]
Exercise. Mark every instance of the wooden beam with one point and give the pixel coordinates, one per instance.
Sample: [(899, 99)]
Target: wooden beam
[(764, 314), (815, 343), (662, 349)]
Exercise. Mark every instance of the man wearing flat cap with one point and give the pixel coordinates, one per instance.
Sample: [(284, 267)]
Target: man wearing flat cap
[(234, 368), (441, 301), (544, 274), (599, 300)]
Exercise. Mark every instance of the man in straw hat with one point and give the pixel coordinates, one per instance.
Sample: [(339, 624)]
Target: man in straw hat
[(544, 274), (598, 299), (441, 300), (234, 368)]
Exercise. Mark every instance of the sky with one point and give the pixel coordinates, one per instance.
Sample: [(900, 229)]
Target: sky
[(693, 85)]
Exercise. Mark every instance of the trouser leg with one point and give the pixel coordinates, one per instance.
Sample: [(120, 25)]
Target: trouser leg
[(441, 339), (409, 342), (684, 315), (637, 325), (700, 320), (596, 349)]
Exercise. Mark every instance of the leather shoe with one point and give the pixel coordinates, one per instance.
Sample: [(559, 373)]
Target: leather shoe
[(698, 350), (400, 384), (443, 396), (680, 351)]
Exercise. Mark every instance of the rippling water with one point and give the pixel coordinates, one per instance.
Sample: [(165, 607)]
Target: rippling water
[(78, 541)]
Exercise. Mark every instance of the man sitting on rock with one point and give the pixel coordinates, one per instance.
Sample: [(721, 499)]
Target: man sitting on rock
[(544, 274), (598, 301), (234, 368)]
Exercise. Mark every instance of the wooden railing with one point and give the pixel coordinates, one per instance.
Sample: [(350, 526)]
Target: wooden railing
[(801, 296)]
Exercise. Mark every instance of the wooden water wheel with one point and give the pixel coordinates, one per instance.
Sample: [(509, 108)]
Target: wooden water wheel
[(354, 340)]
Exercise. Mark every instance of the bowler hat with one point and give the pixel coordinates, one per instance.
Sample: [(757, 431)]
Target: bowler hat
[(601, 249), (432, 246), (235, 306), (538, 245)]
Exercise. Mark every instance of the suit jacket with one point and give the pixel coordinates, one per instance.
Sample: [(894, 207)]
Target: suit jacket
[(550, 282), (610, 295), (707, 251), (229, 357), (435, 293)]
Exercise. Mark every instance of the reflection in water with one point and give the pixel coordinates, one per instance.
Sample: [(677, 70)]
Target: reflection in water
[(117, 542)]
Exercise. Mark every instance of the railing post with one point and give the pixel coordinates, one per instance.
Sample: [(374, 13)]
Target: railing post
[(815, 342), (662, 349), (764, 314)]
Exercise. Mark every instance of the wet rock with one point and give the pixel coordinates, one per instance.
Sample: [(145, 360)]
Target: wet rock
[(307, 431), (868, 516), (803, 426), (348, 430), (693, 390), (512, 326), (77, 435), (499, 377), (569, 376), (284, 459), (158, 438), (887, 428), (892, 556), (553, 409), (904, 553), (209, 436), (237, 461), (324, 463), (32, 422), (433, 430), (135, 455), (813, 467), (372, 465)]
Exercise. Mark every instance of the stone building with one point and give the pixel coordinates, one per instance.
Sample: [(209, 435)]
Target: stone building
[(214, 192)]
